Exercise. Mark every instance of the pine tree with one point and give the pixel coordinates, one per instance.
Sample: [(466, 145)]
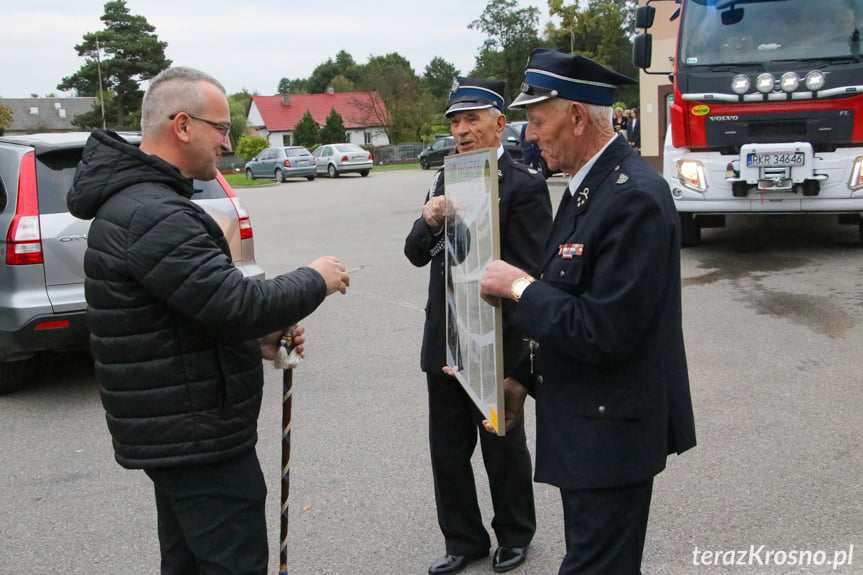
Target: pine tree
[(333, 131), (307, 131), (125, 53)]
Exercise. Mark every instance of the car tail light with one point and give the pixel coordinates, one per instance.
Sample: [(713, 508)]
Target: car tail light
[(287, 163), (370, 155), (344, 158), (242, 214), (24, 240)]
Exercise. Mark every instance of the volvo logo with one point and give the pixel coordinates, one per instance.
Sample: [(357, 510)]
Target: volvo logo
[(723, 118)]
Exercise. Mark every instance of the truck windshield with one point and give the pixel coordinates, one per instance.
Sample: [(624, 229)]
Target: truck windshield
[(716, 32)]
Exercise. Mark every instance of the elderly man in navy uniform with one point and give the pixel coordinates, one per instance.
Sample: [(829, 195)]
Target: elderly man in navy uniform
[(477, 121), (607, 365)]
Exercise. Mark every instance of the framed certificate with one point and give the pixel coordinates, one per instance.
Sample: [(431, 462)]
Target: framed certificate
[(474, 328)]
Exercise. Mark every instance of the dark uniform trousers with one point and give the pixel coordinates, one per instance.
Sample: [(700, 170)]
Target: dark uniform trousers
[(212, 518), (605, 529), (453, 424)]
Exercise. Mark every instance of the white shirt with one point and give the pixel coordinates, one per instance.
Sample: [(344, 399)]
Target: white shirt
[(583, 171)]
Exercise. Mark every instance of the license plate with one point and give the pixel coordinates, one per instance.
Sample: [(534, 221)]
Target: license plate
[(774, 159)]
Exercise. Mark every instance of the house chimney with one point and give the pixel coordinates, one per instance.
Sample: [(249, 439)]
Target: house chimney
[(330, 90), (286, 99)]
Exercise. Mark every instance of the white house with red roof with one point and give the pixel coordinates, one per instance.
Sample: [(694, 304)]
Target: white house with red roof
[(363, 114)]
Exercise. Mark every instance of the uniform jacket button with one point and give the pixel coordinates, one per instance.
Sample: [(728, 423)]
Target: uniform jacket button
[(601, 409), (539, 379), (562, 273)]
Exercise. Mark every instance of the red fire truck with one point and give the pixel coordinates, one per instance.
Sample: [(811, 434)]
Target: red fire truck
[(767, 115)]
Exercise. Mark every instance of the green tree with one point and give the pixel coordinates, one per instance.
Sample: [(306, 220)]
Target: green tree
[(340, 84), (403, 107), (5, 118), (297, 86), (512, 36), (250, 146), (307, 131), (333, 131), (239, 120), (323, 75), (132, 54), (600, 30), (438, 77)]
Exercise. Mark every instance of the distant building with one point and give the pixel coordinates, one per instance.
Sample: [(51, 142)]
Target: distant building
[(274, 117), (32, 115)]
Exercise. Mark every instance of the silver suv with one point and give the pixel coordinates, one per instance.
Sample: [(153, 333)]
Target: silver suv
[(42, 305)]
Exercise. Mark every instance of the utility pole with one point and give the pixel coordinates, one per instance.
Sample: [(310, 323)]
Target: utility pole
[(99, 69)]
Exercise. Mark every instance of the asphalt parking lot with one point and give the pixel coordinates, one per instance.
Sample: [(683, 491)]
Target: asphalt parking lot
[(772, 308)]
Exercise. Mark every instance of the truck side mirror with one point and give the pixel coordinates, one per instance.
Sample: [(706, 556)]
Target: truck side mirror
[(642, 51), (644, 16)]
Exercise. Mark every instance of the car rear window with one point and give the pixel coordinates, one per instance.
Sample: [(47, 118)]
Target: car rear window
[(349, 148), (54, 174), (209, 190), (297, 152)]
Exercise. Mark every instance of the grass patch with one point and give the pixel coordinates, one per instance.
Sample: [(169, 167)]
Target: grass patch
[(239, 180)]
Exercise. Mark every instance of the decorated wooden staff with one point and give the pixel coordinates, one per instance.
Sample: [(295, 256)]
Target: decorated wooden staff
[(286, 360)]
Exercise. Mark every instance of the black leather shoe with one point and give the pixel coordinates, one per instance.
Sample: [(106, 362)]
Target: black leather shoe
[(449, 564), (506, 558)]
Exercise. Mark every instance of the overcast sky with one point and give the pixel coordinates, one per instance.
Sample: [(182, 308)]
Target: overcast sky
[(249, 44)]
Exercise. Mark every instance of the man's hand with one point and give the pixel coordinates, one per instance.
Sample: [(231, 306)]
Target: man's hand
[(333, 272), (514, 395), (271, 342), (496, 283), (434, 212)]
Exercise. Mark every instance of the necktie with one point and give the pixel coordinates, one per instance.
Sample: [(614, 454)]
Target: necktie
[(564, 203), (561, 219)]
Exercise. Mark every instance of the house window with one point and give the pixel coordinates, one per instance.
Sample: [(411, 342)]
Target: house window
[(34, 111), (367, 136), (286, 139)]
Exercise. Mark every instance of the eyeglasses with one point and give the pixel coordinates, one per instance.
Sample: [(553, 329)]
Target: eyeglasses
[(223, 128)]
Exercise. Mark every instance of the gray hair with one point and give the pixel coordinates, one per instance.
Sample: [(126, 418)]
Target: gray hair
[(599, 117), (170, 92)]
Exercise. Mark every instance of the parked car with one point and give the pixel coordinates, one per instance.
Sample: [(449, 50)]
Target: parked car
[(42, 304), (434, 154), (280, 163), (336, 159), (511, 141)]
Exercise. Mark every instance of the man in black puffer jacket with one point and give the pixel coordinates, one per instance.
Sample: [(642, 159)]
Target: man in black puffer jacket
[(175, 327)]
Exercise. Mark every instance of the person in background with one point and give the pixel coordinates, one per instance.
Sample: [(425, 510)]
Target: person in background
[(530, 152), (477, 122), (619, 122), (177, 332), (607, 363), (633, 131)]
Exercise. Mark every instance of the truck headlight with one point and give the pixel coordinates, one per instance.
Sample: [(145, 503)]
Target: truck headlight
[(765, 82), (857, 174), (789, 81), (740, 84), (691, 174), (815, 80)]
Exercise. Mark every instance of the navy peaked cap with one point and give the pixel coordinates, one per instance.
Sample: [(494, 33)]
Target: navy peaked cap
[(553, 74), (475, 94)]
